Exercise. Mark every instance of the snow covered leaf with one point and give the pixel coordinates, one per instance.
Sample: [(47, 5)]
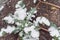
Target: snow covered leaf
[(28, 37), (42, 20), (21, 34), (38, 20), (45, 21), (35, 34), (9, 29), (20, 14), (20, 4), (18, 24), (9, 19), (53, 31), (33, 10), (28, 29), (17, 6)]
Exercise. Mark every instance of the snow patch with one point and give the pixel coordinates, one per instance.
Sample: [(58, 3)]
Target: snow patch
[(34, 1), (42, 20), (1, 8), (9, 19), (35, 34), (9, 29), (27, 29), (20, 14), (53, 31)]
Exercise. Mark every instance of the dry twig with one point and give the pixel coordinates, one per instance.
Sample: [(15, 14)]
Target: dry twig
[(41, 28), (51, 4)]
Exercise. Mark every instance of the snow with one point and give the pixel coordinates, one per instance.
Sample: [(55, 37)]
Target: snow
[(42, 20), (35, 11), (35, 34), (45, 21), (33, 16), (21, 33), (9, 19), (34, 1), (59, 38), (18, 24), (1, 8), (26, 24), (28, 37), (44, 0), (38, 19), (9, 29), (20, 14), (52, 39), (53, 31), (19, 2), (29, 16), (1, 33), (35, 23), (27, 29), (17, 5)]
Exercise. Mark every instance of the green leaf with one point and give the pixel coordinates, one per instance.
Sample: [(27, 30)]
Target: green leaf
[(32, 10), (16, 31), (55, 38), (4, 33), (21, 38), (22, 4), (53, 25)]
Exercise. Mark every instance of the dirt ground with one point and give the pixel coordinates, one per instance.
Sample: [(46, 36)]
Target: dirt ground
[(44, 9)]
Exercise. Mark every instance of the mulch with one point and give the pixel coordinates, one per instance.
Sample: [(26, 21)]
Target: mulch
[(44, 9)]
